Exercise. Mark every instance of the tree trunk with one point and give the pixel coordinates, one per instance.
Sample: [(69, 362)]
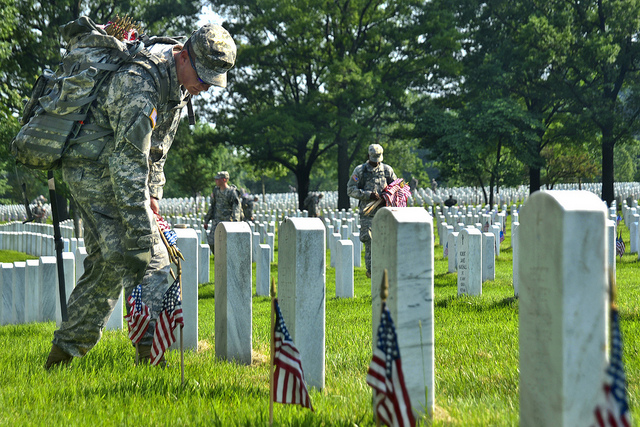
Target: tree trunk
[(343, 173), (608, 193), (303, 187), (534, 180)]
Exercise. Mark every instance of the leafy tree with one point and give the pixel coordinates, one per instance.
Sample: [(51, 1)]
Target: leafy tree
[(602, 57), (317, 77)]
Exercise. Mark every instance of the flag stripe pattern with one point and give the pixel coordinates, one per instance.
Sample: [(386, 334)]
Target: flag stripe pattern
[(288, 377), (620, 247), (170, 317), (391, 400), (138, 317), (396, 193), (615, 413), (165, 228)]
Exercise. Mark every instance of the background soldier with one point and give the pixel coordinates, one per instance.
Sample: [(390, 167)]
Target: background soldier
[(247, 206), (366, 183), (225, 205), (311, 203), (112, 190)]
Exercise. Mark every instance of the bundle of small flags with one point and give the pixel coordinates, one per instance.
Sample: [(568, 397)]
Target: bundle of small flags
[(124, 29), (620, 248), (138, 317), (396, 193), (165, 228)]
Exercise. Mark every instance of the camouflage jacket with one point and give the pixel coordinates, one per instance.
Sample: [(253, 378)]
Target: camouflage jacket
[(225, 205), (311, 203), (367, 179), (143, 126)]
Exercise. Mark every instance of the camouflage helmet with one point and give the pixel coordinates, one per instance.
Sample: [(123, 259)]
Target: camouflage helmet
[(375, 153), (214, 53)]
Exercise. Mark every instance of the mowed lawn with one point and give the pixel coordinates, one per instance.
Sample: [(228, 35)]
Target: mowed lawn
[(476, 362)]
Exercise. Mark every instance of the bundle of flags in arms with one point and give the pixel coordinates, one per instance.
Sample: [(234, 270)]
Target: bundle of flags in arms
[(395, 194), (171, 316)]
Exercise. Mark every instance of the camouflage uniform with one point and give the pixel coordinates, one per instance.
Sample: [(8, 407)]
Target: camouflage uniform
[(247, 207), (225, 206), (111, 179), (365, 180), (311, 203)]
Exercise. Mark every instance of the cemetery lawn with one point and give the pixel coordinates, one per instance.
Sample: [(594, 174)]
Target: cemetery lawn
[(476, 360)]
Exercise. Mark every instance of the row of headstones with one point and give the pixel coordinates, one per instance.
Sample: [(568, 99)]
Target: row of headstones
[(563, 321), (421, 196), (29, 290)]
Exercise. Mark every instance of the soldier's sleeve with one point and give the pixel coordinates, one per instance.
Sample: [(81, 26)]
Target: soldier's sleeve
[(131, 106), (352, 185), (209, 214), (161, 141)]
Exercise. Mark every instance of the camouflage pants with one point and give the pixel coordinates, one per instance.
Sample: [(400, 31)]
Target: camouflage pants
[(211, 236), (154, 284), (105, 274), (365, 238)]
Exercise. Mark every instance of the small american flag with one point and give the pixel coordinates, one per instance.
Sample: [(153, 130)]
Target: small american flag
[(391, 401), (620, 248), (501, 236), (485, 227), (615, 412), (396, 193), (446, 249), (139, 315), (288, 378), (170, 317)]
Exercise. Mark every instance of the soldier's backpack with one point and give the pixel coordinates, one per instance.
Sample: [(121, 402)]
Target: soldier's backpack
[(54, 115)]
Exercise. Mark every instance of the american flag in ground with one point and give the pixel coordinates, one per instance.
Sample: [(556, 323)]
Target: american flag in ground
[(446, 249), (288, 378), (396, 193), (620, 248), (391, 401), (170, 317), (501, 236), (485, 227), (139, 315), (615, 413)]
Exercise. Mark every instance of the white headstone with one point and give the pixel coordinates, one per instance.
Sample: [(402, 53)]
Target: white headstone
[(189, 245), (263, 271), (33, 290), (469, 248), (563, 299), (233, 310), (404, 247), (488, 257), (302, 291), (344, 269)]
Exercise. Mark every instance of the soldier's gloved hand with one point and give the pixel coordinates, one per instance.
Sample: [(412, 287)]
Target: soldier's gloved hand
[(374, 196), (138, 260)]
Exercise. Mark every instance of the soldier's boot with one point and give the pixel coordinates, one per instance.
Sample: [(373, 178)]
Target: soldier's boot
[(57, 357), (368, 274), (144, 356)]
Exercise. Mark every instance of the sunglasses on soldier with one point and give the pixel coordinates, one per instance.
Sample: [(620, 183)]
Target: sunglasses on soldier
[(193, 65)]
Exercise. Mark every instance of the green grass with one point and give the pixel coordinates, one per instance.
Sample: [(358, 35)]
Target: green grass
[(476, 352)]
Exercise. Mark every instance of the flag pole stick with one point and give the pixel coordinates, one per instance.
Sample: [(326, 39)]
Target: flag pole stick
[(273, 349), (384, 294), (181, 326)]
